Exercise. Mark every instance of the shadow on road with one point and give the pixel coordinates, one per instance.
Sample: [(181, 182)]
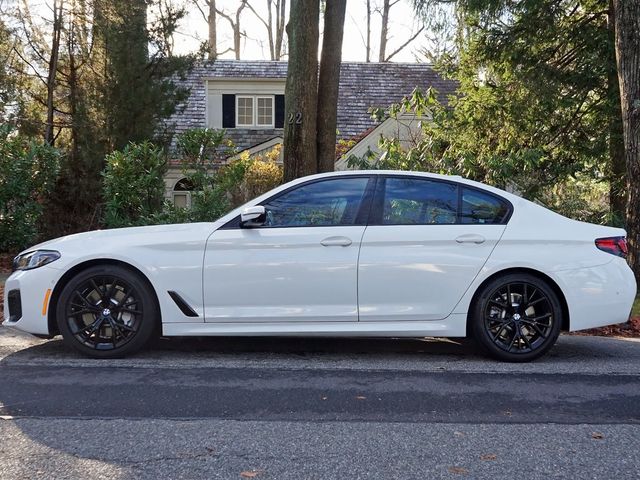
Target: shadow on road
[(281, 346)]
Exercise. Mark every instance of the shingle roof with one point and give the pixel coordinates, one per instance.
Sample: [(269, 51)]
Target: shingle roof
[(362, 85)]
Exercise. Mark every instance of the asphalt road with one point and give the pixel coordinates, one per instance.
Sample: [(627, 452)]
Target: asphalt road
[(319, 409)]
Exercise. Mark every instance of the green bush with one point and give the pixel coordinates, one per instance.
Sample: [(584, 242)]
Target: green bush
[(28, 170), (133, 185), (201, 150)]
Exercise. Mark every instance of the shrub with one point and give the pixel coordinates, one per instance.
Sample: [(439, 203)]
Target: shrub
[(201, 150), (133, 184), (262, 174), (28, 170)]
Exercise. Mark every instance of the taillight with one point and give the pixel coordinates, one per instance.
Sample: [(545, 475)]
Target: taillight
[(614, 245)]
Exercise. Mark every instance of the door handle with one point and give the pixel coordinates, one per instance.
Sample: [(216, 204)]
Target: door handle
[(336, 242), (470, 238)]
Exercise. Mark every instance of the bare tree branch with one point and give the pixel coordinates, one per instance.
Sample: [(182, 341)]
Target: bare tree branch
[(401, 47)]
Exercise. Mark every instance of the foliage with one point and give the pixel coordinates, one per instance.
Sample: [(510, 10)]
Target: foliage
[(262, 174), (133, 185), (217, 189), (114, 82), (138, 91), (538, 100), (201, 151), (465, 139), (27, 172)]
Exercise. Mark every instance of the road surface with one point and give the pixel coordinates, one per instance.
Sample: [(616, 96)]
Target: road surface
[(319, 409)]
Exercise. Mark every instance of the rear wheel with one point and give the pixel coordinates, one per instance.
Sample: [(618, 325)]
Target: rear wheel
[(517, 317), (107, 311)]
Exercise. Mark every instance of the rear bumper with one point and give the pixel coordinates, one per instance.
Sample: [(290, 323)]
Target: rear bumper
[(598, 296), (34, 301)]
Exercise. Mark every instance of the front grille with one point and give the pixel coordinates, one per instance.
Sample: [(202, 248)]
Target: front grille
[(15, 305)]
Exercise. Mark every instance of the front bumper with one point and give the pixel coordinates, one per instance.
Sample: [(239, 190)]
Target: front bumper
[(32, 287)]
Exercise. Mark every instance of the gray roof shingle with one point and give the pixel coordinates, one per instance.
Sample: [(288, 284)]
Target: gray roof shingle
[(362, 85)]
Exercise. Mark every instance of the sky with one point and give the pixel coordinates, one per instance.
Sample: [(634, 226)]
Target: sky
[(403, 23)]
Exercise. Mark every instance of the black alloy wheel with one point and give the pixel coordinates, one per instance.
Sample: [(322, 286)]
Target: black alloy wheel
[(107, 311), (517, 318)]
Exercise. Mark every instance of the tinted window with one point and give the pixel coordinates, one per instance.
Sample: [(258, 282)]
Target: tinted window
[(325, 203), (409, 201), (479, 207)]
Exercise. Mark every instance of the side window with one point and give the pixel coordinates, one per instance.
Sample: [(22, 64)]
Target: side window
[(412, 201), (479, 207), (324, 203)]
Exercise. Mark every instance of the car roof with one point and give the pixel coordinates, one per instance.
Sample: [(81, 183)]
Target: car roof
[(451, 178)]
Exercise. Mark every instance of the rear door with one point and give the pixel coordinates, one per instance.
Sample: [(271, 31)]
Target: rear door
[(426, 241)]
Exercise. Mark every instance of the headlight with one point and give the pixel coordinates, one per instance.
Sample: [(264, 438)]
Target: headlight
[(35, 259)]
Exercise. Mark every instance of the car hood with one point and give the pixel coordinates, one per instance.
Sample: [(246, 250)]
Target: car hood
[(103, 239)]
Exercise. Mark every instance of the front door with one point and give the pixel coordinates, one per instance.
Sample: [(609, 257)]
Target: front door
[(301, 265)]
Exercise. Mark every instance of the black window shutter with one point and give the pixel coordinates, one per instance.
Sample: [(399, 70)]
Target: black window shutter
[(279, 120), (228, 111)]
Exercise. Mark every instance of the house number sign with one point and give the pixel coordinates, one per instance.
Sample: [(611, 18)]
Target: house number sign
[(295, 118)]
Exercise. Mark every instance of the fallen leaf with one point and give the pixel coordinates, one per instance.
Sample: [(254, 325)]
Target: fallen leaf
[(360, 397), (250, 473), (488, 456), (459, 434), (209, 449), (597, 436), (458, 470)]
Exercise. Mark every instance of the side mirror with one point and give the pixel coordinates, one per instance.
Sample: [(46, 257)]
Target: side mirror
[(253, 216)]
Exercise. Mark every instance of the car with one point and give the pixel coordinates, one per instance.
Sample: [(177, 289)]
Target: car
[(359, 253)]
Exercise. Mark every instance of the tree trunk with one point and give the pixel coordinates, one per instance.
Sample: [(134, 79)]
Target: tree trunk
[(617, 167), (301, 91), (627, 32), (236, 37), (281, 8), (368, 31), (269, 25), (384, 30), (213, 33), (49, 136), (331, 58)]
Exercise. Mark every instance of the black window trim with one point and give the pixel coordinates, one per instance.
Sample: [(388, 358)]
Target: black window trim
[(377, 206), (362, 217)]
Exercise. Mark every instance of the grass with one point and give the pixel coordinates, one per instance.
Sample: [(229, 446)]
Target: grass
[(635, 311)]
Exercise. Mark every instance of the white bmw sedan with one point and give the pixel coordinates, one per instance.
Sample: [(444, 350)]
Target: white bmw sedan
[(367, 253)]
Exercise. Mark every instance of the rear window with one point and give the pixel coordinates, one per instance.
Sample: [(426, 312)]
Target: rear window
[(482, 208)]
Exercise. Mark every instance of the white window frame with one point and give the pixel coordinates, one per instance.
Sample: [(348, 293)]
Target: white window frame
[(253, 111), (254, 104), (273, 111)]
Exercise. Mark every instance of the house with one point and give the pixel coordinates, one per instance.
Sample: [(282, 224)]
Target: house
[(246, 98)]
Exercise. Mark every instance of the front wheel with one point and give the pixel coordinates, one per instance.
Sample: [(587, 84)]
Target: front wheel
[(107, 311), (516, 318)]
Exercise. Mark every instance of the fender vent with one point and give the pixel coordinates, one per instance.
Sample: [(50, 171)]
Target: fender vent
[(182, 305)]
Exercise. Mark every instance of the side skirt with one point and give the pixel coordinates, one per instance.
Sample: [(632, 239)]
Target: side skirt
[(452, 326)]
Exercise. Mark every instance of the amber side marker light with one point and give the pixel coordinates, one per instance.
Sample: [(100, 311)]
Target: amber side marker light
[(45, 302)]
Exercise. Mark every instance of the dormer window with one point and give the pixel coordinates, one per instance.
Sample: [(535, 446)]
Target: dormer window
[(254, 111)]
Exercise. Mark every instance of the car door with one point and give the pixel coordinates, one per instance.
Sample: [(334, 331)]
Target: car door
[(426, 241), (301, 265)]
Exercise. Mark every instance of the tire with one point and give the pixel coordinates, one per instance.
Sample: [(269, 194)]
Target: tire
[(521, 329), (107, 311)]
